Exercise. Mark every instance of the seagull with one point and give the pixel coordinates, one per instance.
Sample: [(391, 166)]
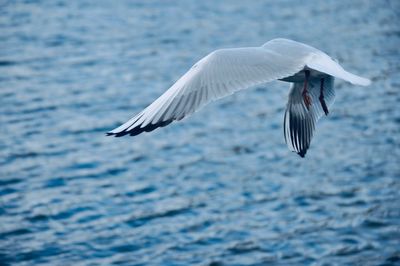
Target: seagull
[(310, 71)]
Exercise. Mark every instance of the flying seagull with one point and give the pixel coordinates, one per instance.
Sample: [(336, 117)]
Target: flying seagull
[(310, 71)]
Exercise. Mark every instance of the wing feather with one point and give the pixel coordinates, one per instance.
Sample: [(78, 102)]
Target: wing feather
[(299, 122)]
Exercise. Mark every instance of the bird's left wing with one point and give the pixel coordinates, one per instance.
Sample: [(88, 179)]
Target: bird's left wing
[(219, 74)]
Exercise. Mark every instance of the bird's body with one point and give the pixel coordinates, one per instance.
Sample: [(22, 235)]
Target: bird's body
[(225, 71)]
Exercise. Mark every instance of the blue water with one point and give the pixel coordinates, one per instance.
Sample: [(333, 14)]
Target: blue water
[(220, 188)]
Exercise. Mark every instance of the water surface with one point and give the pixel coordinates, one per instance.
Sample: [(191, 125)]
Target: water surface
[(220, 188)]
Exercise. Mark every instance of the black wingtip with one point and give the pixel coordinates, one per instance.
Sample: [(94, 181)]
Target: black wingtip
[(117, 135), (302, 153), (120, 134), (138, 129)]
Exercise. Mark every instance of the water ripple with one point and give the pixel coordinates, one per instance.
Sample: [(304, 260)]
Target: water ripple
[(220, 188)]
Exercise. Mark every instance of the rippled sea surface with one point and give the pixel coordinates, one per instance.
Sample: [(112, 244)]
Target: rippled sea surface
[(220, 188)]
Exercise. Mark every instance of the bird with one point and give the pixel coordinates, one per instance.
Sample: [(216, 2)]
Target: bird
[(310, 72)]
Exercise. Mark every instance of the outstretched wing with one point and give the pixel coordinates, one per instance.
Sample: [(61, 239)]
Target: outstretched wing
[(318, 60), (219, 74), (323, 63), (299, 122)]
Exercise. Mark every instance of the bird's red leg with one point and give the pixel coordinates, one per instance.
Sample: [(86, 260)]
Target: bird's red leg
[(322, 99), (306, 96)]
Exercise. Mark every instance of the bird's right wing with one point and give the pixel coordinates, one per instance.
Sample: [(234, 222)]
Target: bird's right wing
[(318, 60), (219, 74), (325, 64), (299, 122)]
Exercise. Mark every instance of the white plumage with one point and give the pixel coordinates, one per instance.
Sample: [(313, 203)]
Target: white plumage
[(225, 71)]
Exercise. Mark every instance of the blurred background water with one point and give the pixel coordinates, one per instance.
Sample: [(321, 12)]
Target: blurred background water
[(220, 188)]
